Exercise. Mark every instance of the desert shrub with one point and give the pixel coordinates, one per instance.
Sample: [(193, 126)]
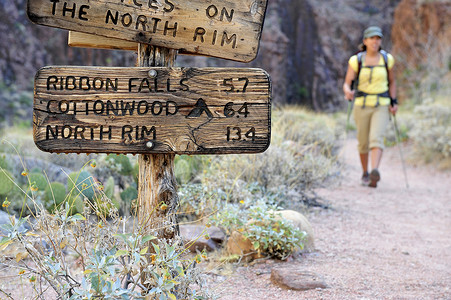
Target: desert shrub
[(317, 131), (129, 194), (405, 124), (302, 156), (188, 167), (259, 222), (431, 132), (276, 168), (182, 171), (109, 187), (105, 206), (120, 163), (113, 263), (198, 200)]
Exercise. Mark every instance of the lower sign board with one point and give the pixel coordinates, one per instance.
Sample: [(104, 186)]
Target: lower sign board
[(152, 110), (226, 29)]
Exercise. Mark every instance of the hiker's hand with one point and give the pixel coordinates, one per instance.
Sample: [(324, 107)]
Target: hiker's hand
[(393, 109), (349, 95)]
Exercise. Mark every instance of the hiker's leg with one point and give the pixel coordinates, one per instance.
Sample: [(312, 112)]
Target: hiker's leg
[(362, 121), (364, 161), (379, 122), (376, 156)]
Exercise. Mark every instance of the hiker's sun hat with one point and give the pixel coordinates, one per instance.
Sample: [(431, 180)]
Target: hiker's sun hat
[(372, 31)]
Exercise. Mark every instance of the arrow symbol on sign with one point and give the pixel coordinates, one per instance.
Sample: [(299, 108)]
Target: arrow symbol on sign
[(199, 108)]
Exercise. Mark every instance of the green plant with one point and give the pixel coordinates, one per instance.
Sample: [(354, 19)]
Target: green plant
[(38, 181), (109, 187), (182, 171), (4, 162), (81, 183), (260, 223), (114, 263), (188, 167), (272, 235), (6, 185), (120, 163), (129, 194), (54, 195), (76, 205), (431, 132), (135, 174), (106, 206)]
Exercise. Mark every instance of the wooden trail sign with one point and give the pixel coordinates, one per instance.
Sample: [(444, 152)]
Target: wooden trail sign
[(226, 29), (152, 110)]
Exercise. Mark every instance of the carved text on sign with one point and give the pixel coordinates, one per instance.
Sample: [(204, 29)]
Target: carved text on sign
[(178, 110), (229, 30)]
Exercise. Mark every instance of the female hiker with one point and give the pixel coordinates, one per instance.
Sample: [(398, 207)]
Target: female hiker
[(374, 98)]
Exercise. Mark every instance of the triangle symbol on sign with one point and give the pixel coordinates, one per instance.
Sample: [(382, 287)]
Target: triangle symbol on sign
[(199, 108)]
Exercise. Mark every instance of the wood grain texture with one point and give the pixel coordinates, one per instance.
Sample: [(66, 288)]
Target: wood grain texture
[(226, 29), (86, 40), (126, 110), (157, 189)]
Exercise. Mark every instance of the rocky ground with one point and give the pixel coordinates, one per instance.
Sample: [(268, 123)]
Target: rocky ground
[(391, 242)]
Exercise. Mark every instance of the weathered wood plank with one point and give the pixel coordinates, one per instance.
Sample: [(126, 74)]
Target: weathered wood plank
[(86, 40), (226, 29), (157, 182), (152, 110)]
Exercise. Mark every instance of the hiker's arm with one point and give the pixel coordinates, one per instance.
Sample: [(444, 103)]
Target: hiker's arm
[(392, 84), (392, 91), (350, 76)]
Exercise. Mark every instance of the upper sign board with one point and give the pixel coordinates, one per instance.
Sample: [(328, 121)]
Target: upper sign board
[(152, 110), (226, 29)]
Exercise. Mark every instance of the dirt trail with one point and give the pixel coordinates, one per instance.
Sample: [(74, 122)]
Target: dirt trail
[(383, 243)]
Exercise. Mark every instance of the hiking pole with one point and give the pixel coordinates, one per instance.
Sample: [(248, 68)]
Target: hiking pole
[(350, 105), (349, 115), (398, 140)]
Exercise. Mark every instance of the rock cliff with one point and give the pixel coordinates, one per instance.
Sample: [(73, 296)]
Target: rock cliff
[(422, 46), (305, 44)]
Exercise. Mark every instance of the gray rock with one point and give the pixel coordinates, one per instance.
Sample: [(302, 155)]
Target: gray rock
[(300, 222), (194, 237), (294, 279)]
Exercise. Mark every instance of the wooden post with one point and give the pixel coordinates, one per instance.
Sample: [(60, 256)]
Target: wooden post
[(157, 191)]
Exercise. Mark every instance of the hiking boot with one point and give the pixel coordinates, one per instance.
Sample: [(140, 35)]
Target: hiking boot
[(365, 179), (374, 178)]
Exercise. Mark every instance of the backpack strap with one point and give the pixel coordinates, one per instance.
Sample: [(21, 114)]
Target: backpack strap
[(385, 56), (360, 56)]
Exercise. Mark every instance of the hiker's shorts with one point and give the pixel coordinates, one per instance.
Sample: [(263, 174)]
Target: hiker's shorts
[(371, 126)]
